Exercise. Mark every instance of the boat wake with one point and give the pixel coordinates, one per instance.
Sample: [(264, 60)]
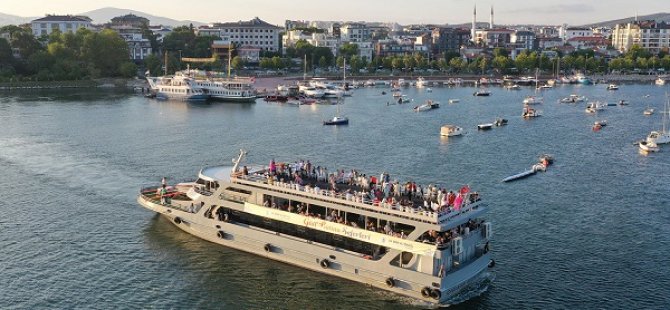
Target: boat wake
[(55, 163)]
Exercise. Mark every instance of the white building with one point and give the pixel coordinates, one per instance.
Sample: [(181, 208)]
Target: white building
[(567, 33), (355, 32), (249, 34), (650, 35), (64, 23)]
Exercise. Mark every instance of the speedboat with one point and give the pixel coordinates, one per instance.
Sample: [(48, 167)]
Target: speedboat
[(648, 111), (337, 120), (486, 126), (500, 121), (513, 87), (450, 131), (593, 107), (454, 100), (530, 112), (648, 146), (597, 125), (573, 99), (482, 93), (429, 105), (612, 87)]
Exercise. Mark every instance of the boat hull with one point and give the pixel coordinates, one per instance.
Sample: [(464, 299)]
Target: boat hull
[(309, 255)]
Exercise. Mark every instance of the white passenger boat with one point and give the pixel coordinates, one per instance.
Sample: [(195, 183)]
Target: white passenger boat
[(177, 87), (450, 131), (438, 256), (228, 89)]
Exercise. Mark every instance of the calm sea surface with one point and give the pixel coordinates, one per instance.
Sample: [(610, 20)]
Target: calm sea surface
[(593, 232)]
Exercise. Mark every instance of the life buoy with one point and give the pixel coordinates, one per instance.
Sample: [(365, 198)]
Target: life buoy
[(390, 282), (221, 234), (425, 292), (435, 294), (268, 247), (177, 220), (492, 263), (325, 263)]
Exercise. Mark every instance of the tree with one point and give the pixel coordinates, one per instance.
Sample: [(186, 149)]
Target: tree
[(348, 50), (5, 52), (356, 64), (128, 69), (456, 64), (408, 62), (397, 63), (323, 63), (105, 51), (237, 62), (153, 64), (501, 63), (500, 52)]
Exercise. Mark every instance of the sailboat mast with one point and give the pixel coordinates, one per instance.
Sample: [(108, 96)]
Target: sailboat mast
[(344, 77)]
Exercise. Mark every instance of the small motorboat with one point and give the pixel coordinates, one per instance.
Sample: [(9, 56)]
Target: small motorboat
[(648, 111), (482, 93), (648, 146), (337, 120), (573, 99), (403, 99), (532, 100), (612, 87), (500, 121), (429, 105), (450, 131), (486, 126), (623, 102), (397, 94), (545, 161), (597, 125), (513, 87), (454, 100), (530, 112), (593, 107), (430, 90)]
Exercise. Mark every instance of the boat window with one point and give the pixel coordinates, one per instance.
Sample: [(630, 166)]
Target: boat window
[(237, 190), (406, 258)]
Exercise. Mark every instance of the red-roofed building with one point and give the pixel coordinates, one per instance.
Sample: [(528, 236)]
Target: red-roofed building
[(589, 42)]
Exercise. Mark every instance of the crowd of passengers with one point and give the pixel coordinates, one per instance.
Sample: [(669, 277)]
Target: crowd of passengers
[(335, 217), (355, 186), (445, 237)]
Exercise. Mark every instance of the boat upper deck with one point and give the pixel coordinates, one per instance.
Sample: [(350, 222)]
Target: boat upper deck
[(433, 206)]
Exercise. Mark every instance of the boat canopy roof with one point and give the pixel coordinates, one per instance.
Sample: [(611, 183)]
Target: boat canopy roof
[(217, 173)]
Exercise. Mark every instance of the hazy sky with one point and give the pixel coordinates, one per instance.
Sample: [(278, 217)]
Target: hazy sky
[(573, 12)]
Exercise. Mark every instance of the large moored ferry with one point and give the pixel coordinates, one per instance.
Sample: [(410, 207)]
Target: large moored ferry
[(430, 244)]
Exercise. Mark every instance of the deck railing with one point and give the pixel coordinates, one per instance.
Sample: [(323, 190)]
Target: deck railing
[(362, 200)]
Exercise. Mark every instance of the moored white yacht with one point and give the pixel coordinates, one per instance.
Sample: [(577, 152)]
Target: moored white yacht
[(438, 254), (662, 136), (177, 87)]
